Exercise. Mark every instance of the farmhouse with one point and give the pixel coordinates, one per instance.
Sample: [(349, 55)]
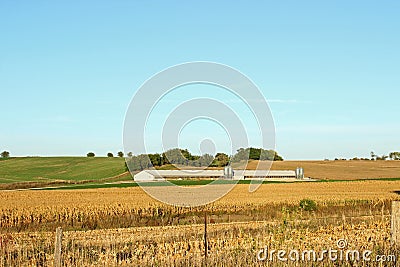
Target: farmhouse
[(227, 173)]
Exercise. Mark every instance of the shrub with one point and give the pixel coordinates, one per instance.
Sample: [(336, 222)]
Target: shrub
[(90, 154), (308, 205)]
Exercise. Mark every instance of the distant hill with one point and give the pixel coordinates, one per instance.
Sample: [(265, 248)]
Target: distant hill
[(339, 169), (326, 170), (51, 170)]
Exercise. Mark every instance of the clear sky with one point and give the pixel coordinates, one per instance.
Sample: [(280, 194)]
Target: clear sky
[(330, 69)]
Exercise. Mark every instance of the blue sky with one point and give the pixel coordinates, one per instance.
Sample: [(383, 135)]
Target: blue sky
[(68, 69)]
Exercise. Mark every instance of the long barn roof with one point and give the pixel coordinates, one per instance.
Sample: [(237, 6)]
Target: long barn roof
[(217, 173)]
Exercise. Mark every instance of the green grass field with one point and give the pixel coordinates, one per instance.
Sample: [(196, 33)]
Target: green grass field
[(102, 172), (47, 169)]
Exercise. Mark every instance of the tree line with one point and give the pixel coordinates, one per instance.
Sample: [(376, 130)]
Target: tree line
[(109, 154), (256, 154), (184, 157), (392, 156)]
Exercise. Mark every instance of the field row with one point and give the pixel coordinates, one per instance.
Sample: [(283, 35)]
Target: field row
[(340, 169), (50, 170), (228, 244), (129, 207), (267, 193)]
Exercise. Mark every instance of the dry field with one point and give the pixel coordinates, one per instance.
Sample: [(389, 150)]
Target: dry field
[(340, 169), (267, 193), (110, 227), (130, 207), (228, 245)]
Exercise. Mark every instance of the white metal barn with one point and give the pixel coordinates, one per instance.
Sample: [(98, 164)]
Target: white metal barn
[(160, 175), (262, 174)]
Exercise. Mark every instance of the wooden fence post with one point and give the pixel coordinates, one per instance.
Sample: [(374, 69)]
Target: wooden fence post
[(395, 223), (57, 249), (205, 239)]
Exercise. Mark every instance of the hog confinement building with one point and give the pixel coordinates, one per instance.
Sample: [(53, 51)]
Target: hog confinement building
[(227, 173)]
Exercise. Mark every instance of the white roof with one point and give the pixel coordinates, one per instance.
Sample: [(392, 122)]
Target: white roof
[(185, 173), (216, 173), (260, 173)]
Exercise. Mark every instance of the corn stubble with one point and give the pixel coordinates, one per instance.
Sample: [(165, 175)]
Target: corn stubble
[(127, 228), (229, 244)]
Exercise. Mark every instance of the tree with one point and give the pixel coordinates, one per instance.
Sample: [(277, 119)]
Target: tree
[(255, 154), (373, 155), (155, 159), (110, 155), (130, 154), (241, 154), (383, 157), (394, 155), (177, 156), (165, 158), (120, 154), (269, 155), (221, 160), (144, 161), (5, 154), (205, 160), (90, 154), (139, 162), (133, 163), (277, 157)]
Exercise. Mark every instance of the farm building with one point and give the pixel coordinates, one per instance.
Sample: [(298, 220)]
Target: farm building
[(159, 175), (261, 174)]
